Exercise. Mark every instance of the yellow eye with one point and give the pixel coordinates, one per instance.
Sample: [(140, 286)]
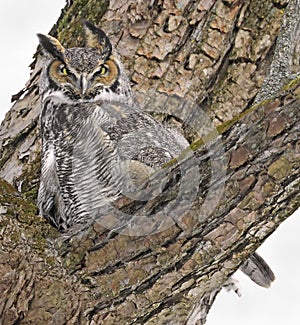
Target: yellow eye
[(103, 70), (63, 70)]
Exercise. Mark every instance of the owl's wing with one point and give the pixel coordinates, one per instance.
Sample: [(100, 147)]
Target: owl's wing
[(138, 136)]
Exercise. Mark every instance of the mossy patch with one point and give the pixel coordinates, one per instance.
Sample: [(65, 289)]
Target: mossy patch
[(22, 213), (70, 29), (280, 169), (29, 179)]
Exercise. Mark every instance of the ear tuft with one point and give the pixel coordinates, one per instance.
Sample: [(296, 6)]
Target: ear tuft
[(96, 38), (52, 46)]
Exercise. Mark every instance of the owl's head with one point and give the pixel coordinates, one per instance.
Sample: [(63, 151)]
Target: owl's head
[(90, 73)]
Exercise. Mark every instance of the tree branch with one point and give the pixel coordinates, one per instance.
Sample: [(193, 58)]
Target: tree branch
[(162, 276), (206, 214)]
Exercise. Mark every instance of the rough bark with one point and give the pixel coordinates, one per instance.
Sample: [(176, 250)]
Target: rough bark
[(216, 54)]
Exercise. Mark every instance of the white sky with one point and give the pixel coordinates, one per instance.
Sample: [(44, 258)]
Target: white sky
[(19, 22)]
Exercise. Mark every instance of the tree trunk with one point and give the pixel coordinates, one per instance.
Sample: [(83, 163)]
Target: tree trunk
[(194, 64)]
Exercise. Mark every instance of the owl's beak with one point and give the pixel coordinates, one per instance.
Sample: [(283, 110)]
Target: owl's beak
[(83, 85)]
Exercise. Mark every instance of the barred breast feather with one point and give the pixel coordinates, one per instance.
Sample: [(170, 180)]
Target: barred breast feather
[(85, 150)]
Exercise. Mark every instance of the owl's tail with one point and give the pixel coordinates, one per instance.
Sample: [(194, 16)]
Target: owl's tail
[(258, 270)]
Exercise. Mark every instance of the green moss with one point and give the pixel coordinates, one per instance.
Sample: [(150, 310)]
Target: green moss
[(6, 188), (37, 230), (261, 12), (250, 202), (292, 84), (280, 169), (197, 144), (29, 179)]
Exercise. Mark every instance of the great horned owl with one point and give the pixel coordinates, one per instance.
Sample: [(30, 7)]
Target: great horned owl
[(96, 142)]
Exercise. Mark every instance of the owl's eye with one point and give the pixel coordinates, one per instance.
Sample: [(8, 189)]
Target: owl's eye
[(103, 70), (63, 70)]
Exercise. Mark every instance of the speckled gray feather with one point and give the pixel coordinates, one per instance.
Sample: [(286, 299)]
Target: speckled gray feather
[(89, 141)]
